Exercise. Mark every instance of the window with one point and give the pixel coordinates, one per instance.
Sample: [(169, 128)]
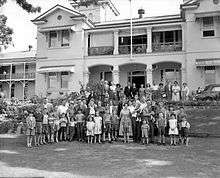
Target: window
[(52, 80), (64, 79), (53, 39), (208, 27), (65, 38), (209, 75)]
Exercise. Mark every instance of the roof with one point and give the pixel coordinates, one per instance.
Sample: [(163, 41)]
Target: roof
[(18, 55), (45, 14), (190, 3), (140, 21)]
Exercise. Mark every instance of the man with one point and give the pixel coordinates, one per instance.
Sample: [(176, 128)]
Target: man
[(168, 90), (134, 90), (128, 90)]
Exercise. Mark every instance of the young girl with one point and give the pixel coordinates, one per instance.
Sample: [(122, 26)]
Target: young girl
[(145, 130), (114, 125), (98, 127), (31, 123), (72, 128), (63, 129), (173, 130), (90, 125), (45, 127), (185, 130)]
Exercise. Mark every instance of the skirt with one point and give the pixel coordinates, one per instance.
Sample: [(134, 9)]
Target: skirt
[(173, 131)]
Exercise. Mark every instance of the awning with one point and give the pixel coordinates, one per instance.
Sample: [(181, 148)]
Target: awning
[(61, 68), (208, 62), (207, 14), (47, 29)]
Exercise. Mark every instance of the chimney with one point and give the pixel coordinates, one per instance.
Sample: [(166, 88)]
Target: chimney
[(30, 47), (141, 11)]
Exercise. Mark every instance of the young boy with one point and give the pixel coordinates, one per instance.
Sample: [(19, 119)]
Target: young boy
[(63, 127), (31, 123), (185, 130), (72, 128), (80, 117), (39, 128), (145, 130), (107, 125), (114, 125), (161, 125), (51, 127), (45, 127)]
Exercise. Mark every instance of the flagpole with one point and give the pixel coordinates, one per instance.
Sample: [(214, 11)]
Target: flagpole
[(131, 31)]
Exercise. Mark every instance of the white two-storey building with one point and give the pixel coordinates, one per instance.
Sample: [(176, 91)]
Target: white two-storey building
[(85, 44)]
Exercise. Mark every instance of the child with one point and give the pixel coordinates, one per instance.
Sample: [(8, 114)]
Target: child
[(145, 130), (31, 123), (185, 130), (161, 125), (45, 127), (107, 125), (39, 128), (63, 129), (56, 127), (51, 128), (173, 130), (80, 124), (90, 125), (114, 125), (72, 128), (98, 127)]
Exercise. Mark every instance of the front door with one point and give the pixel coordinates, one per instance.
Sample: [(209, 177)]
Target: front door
[(137, 77)]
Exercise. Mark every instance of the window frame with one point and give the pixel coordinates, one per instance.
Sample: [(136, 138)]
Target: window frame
[(61, 79), (48, 80), (49, 41), (62, 44), (206, 28)]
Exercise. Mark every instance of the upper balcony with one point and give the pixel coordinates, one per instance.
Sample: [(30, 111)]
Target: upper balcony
[(18, 76), (153, 42)]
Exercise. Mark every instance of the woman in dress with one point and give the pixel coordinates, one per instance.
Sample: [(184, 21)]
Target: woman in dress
[(142, 91), (185, 92), (176, 91), (125, 123), (148, 92)]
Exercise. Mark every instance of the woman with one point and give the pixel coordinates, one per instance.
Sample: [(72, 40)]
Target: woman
[(176, 92), (185, 92), (148, 92), (125, 123), (142, 91)]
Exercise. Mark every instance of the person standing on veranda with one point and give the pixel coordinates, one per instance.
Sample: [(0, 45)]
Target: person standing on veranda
[(176, 92), (185, 92)]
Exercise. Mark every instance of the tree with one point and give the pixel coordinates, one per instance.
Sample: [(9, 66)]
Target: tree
[(6, 32)]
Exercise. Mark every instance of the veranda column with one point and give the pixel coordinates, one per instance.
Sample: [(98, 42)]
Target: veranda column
[(86, 46), (115, 74), (149, 39), (86, 76), (116, 42), (149, 74), (183, 37), (183, 75)]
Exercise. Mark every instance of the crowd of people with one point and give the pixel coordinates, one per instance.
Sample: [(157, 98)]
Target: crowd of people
[(140, 115)]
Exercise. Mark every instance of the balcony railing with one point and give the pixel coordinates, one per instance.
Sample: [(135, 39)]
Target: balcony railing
[(136, 49), (101, 50), (30, 75), (167, 47)]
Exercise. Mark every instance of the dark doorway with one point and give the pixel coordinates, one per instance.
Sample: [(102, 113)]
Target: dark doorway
[(138, 80)]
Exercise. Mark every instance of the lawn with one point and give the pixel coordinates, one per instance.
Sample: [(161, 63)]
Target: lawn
[(200, 159)]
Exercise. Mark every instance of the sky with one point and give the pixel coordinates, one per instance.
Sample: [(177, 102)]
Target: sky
[(25, 31)]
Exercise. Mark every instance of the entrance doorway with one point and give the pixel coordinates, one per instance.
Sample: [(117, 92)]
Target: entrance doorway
[(137, 77)]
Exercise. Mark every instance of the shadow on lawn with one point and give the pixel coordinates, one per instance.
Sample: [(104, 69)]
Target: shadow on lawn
[(117, 160)]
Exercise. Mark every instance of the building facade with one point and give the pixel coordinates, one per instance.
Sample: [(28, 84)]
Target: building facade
[(17, 74), (86, 44)]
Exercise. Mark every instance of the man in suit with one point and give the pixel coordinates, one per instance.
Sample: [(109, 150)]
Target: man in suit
[(128, 90)]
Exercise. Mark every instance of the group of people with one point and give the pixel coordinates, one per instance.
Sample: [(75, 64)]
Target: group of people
[(133, 114)]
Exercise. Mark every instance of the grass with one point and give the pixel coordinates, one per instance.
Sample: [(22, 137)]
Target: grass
[(200, 159)]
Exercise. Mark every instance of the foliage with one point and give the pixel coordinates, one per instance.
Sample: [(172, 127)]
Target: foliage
[(6, 32)]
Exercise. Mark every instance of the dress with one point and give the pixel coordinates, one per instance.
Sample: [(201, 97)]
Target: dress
[(125, 123), (98, 125), (173, 127), (185, 93), (176, 93), (90, 128)]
